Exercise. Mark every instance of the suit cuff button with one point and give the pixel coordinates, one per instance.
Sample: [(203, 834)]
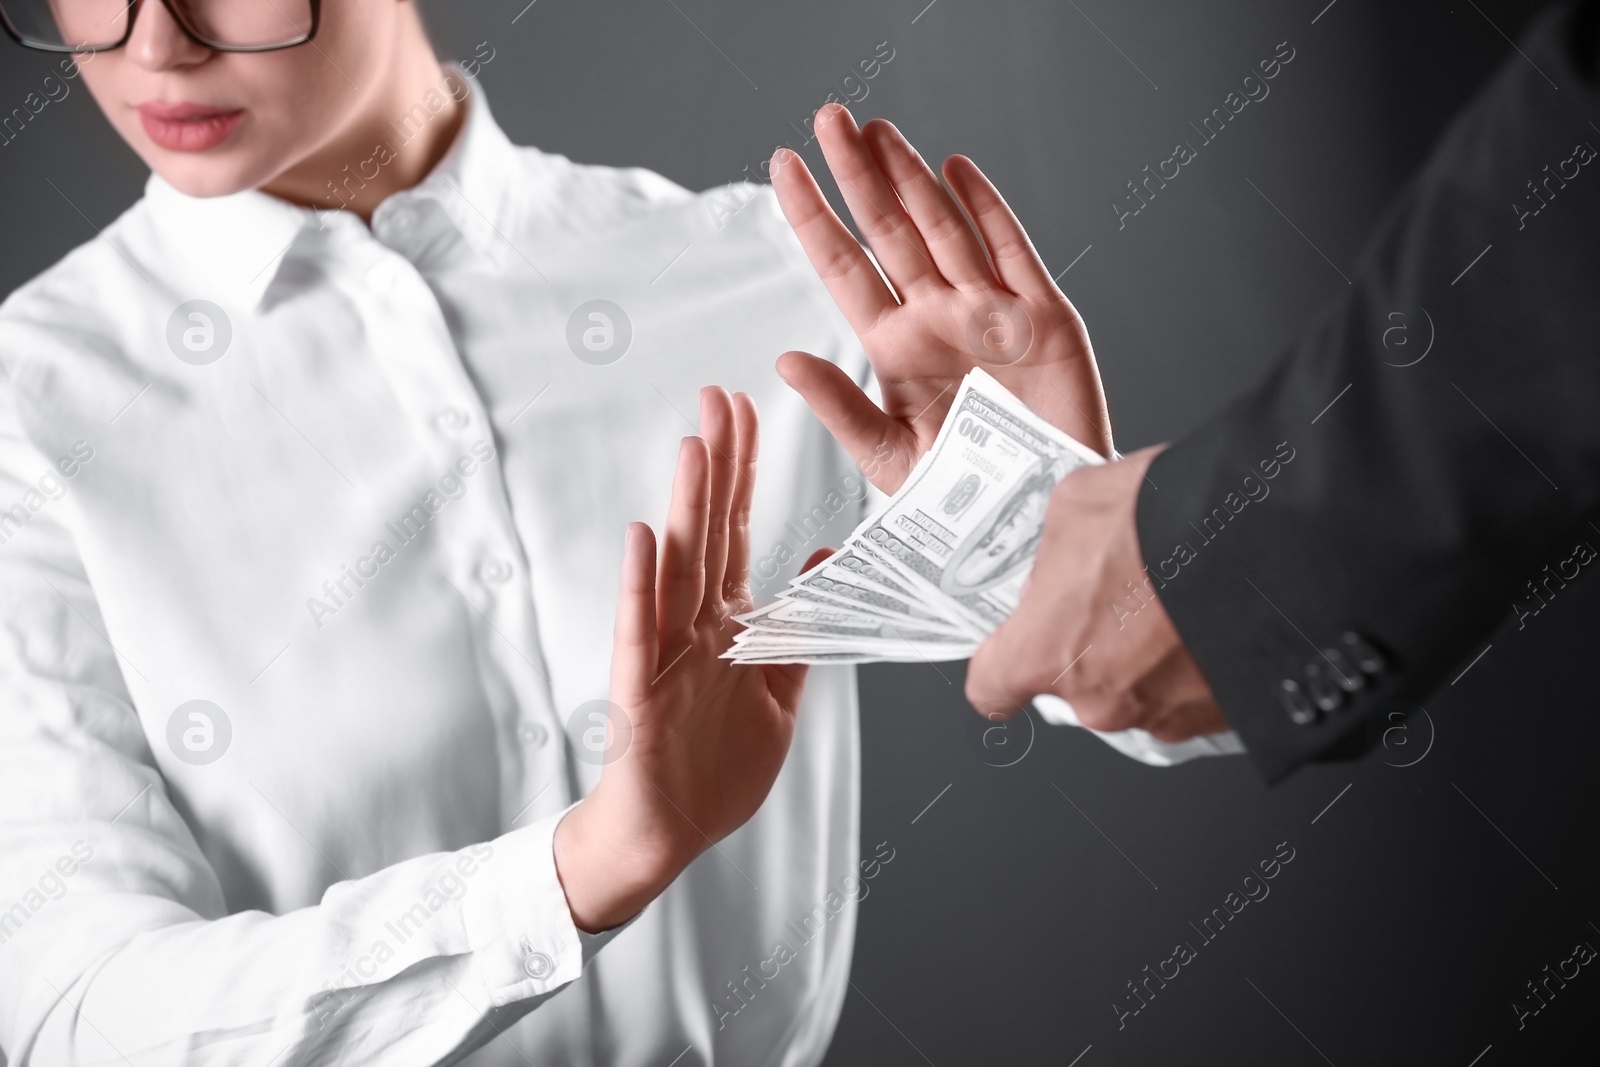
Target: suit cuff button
[(1367, 658), (1295, 703)]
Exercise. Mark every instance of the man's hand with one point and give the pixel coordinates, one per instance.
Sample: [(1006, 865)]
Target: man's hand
[(960, 298), (1089, 627), (701, 738)]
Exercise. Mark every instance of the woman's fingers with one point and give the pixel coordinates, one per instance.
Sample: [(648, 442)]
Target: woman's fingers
[(873, 203), (747, 429), (838, 258), (1020, 268), (635, 646), (849, 415), (681, 583), (722, 441), (816, 557), (786, 681), (945, 231)]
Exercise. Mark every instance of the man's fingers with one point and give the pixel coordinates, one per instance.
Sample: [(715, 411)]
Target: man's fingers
[(1021, 269), (839, 259), (1187, 722), (873, 203), (1180, 710), (873, 439), (946, 233), (997, 686), (722, 441), (747, 430), (681, 584), (635, 646)]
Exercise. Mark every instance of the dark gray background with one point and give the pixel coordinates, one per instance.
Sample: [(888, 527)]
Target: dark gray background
[(1012, 916)]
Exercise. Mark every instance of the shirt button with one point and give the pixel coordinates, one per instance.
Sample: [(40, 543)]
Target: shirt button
[(538, 965), (532, 734), (383, 275), (450, 420), (494, 571)]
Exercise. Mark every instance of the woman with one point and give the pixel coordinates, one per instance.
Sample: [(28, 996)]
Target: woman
[(314, 750)]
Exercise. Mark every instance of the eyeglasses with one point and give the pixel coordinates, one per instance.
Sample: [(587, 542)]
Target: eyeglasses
[(220, 25)]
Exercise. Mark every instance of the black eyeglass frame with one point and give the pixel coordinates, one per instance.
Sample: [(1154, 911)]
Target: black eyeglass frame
[(178, 16)]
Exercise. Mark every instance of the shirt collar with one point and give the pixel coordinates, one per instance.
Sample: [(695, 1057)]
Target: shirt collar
[(475, 184), (239, 242)]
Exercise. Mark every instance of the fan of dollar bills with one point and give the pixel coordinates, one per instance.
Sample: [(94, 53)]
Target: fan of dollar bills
[(943, 564)]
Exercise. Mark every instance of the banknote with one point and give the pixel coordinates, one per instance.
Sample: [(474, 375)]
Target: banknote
[(943, 563), (829, 585), (807, 619)]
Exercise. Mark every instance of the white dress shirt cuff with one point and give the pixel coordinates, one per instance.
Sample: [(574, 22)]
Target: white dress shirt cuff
[(1137, 744), (593, 943), (519, 923)]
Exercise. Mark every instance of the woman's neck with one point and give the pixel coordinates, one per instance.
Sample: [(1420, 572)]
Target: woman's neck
[(393, 140)]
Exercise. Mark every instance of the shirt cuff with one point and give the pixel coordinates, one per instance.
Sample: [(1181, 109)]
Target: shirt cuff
[(519, 925), (1138, 744), (593, 943)]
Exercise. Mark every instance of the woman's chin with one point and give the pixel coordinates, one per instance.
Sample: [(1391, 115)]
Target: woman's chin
[(204, 178)]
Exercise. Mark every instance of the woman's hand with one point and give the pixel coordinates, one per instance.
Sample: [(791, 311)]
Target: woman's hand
[(701, 739), (961, 298)]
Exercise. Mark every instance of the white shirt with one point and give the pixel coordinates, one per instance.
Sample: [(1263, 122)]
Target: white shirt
[(381, 533)]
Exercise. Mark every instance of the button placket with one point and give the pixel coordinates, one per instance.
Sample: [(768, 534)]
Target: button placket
[(515, 646), (425, 370)]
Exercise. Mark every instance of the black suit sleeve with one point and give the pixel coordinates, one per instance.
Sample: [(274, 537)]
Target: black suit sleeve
[(1424, 505)]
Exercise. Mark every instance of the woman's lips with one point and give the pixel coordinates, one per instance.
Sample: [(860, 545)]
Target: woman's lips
[(188, 127)]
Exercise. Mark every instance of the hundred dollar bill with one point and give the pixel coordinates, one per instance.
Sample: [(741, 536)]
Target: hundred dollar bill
[(816, 659), (820, 657), (923, 618), (854, 565), (943, 563), (804, 620), (830, 586), (962, 532), (889, 648)]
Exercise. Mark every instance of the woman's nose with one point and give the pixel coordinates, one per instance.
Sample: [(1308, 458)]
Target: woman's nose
[(158, 42)]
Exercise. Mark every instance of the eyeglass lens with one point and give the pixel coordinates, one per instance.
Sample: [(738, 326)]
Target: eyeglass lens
[(91, 24)]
